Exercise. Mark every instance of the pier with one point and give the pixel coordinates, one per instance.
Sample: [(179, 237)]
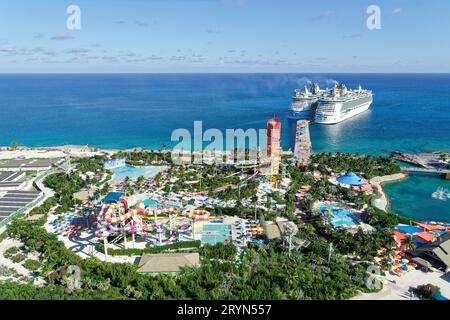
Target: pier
[(432, 162), (445, 173)]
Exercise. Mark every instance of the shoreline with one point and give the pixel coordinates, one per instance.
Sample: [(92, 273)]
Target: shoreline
[(381, 199)]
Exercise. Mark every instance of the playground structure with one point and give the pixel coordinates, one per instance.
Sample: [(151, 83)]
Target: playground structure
[(73, 223), (160, 227)]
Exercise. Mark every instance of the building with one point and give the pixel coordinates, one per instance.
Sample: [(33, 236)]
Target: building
[(303, 147), (169, 263), (114, 163), (273, 137), (28, 165), (437, 253), (350, 179)]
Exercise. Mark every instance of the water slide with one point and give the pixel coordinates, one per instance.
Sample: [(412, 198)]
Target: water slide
[(108, 222)]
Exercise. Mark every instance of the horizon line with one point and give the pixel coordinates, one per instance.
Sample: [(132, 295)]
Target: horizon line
[(195, 72)]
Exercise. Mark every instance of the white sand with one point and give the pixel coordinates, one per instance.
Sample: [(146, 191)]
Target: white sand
[(412, 279), (51, 152), (382, 202), (21, 270)]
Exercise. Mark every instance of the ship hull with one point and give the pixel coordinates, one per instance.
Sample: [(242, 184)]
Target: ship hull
[(334, 119)]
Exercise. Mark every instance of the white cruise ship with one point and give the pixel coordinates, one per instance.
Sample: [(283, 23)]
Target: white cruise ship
[(304, 103), (339, 104)]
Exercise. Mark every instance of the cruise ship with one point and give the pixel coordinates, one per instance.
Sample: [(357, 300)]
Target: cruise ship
[(304, 103), (339, 104)]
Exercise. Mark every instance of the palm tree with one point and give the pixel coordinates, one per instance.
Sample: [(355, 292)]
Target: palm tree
[(408, 243)]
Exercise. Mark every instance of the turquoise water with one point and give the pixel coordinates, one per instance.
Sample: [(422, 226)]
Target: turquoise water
[(151, 203), (340, 217), (216, 233), (135, 172), (412, 198), (410, 113)]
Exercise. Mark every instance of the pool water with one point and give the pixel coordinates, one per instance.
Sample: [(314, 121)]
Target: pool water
[(340, 217), (216, 233), (151, 203), (135, 172)]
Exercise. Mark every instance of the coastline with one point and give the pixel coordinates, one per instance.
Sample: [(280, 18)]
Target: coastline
[(381, 200)]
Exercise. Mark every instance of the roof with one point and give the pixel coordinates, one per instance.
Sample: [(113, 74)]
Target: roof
[(408, 229), (440, 249), (422, 262), (272, 231), (351, 179), (425, 236), (431, 227), (83, 195), (113, 197), (399, 236), (171, 262)]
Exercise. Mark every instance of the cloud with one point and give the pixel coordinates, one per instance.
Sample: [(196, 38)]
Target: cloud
[(7, 48), (76, 51), (39, 36), (141, 24), (213, 31), (324, 15), (154, 57), (178, 58), (61, 36), (352, 36), (120, 22), (397, 10)]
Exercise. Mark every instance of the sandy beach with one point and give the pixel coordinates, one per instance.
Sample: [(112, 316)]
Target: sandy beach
[(381, 201)]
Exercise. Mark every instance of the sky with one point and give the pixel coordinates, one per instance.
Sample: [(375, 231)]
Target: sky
[(120, 36)]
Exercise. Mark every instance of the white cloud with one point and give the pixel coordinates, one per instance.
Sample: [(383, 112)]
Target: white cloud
[(61, 36)]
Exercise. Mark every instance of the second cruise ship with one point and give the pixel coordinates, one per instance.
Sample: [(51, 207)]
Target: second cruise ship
[(339, 104)]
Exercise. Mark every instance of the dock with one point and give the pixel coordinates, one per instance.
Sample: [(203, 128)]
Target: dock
[(432, 162)]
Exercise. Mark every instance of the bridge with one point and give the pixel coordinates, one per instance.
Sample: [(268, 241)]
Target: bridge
[(427, 170)]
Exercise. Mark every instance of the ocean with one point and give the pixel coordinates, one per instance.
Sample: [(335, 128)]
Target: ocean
[(410, 113)]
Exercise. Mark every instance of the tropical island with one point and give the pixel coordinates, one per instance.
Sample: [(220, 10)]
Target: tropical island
[(133, 225)]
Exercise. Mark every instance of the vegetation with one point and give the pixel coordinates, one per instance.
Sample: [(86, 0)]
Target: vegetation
[(369, 166), (426, 291), (32, 265), (220, 251), (144, 158), (89, 164), (195, 244), (65, 185), (266, 273)]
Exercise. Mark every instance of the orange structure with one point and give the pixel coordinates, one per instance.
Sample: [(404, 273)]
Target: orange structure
[(273, 137)]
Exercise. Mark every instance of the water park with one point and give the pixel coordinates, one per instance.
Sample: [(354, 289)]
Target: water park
[(151, 224)]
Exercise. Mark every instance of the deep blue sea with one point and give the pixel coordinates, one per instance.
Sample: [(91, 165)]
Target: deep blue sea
[(411, 112)]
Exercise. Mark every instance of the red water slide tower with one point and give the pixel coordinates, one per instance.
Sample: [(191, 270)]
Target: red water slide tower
[(273, 136)]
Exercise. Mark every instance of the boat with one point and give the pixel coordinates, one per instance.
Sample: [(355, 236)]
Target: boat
[(340, 103), (304, 102)]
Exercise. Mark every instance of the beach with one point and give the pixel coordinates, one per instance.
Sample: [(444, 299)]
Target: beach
[(381, 201)]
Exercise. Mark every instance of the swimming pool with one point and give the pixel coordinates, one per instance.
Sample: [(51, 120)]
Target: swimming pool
[(216, 233), (340, 217), (151, 203), (135, 172)]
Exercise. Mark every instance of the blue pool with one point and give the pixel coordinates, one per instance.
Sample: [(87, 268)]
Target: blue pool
[(135, 172), (216, 233), (151, 203), (339, 217)]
